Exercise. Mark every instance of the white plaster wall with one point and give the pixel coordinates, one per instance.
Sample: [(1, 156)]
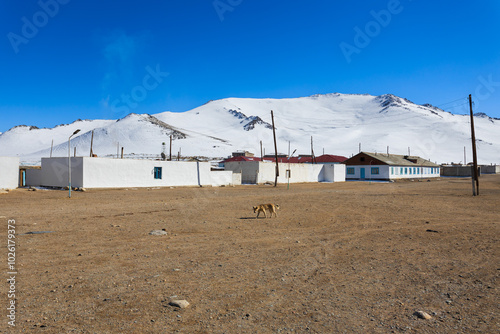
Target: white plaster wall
[(55, 172), (236, 178), (9, 172), (333, 173), (423, 172), (119, 173), (262, 172), (300, 172), (247, 169), (213, 178), (385, 172)]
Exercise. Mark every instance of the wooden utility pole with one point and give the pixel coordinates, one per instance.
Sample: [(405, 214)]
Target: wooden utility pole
[(359, 148), (275, 152), (474, 154), (261, 156), (92, 144), (122, 152), (170, 159), (51, 146), (313, 158), (74, 154)]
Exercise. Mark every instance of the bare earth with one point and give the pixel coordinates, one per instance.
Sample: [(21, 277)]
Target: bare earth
[(348, 257)]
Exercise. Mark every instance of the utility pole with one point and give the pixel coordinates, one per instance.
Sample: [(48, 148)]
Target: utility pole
[(170, 159), (359, 151), (51, 146), (313, 158), (122, 152), (91, 144), (465, 157), (261, 156), (409, 151), (275, 152), (474, 153)]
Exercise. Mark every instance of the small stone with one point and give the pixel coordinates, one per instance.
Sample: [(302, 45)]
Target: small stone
[(179, 303), (158, 232), (423, 315)]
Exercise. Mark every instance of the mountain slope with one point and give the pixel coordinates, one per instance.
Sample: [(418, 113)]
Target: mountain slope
[(337, 122)]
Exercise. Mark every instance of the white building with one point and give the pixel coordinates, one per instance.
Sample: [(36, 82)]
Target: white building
[(258, 172), (9, 172), (87, 172), (378, 166)]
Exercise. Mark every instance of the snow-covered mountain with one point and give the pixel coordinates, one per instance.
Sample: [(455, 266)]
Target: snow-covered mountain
[(337, 123)]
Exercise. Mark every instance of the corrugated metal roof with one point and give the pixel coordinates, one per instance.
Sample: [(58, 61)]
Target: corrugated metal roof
[(326, 158), (401, 160)]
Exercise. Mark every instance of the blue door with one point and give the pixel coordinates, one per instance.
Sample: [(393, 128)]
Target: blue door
[(362, 173)]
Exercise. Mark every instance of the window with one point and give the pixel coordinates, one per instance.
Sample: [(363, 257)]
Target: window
[(401, 171), (375, 170), (406, 170), (392, 170), (157, 173), (350, 170), (410, 170)]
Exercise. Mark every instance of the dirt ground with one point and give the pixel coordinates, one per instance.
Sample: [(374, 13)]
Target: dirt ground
[(353, 257)]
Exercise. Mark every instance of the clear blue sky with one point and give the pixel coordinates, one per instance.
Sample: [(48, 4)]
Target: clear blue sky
[(61, 60)]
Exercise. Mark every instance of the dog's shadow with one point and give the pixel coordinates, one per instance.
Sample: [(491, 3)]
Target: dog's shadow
[(250, 217)]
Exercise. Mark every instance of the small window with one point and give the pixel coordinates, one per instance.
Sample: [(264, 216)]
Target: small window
[(350, 170), (406, 170), (375, 170), (401, 171), (362, 159), (157, 173), (410, 170)]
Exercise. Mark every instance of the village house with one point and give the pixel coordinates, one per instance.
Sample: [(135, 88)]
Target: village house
[(9, 172), (380, 166)]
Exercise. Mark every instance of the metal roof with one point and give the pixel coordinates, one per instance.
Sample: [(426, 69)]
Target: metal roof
[(401, 160)]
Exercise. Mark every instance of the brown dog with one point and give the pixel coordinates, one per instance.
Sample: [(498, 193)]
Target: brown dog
[(263, 207)]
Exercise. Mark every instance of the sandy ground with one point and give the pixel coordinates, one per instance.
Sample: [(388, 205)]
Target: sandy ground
[(348, 257)]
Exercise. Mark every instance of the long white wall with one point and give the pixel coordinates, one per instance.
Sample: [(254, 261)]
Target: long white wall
[(9, 172), (119, 173), (262, 172)]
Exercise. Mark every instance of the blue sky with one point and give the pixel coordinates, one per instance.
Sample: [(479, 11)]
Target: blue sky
[(61, 60)]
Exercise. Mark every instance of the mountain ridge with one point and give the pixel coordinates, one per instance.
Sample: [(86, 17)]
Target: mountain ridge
[(337, 122)]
